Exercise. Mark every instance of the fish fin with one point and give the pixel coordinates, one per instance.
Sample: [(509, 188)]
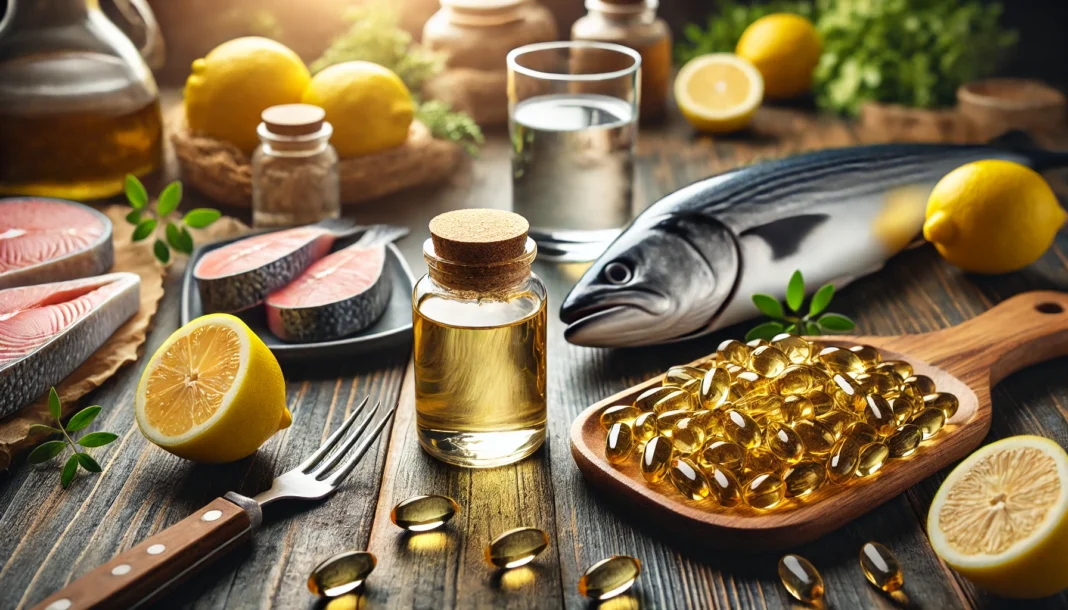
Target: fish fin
[(1015, 139), (786, 234)]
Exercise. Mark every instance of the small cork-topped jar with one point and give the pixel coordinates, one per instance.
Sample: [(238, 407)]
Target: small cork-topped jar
[(480, 335)]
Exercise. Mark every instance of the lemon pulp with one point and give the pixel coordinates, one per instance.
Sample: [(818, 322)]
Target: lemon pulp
[(718, 93)]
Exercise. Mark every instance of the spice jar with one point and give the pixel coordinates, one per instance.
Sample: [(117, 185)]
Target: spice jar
[(294, 169), (479, 352), (476, 36), (633, 23)]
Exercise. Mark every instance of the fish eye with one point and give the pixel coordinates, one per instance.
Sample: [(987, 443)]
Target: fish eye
[(618, 273)]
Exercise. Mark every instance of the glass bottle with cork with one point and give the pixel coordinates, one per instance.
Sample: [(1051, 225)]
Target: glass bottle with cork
[(634, 24), (480, 337)]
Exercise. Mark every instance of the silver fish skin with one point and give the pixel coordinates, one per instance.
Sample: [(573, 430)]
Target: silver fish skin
[(689, 263)]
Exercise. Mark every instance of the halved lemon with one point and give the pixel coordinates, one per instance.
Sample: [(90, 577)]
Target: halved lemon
[(213, 392), (1001, 518), (719, 93)]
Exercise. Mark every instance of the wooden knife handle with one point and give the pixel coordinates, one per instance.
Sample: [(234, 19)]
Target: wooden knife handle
[(142, 573)]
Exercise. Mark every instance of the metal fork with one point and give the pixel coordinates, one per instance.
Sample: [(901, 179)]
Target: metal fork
[(152, 567)]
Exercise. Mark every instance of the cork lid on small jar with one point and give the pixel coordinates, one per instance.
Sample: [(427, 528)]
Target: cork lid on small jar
[(293, 119), (479, 236)]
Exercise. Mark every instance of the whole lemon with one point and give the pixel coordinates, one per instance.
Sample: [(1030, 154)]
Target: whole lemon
[(992, 216), (785, 48), (239, 79), (368, 106)]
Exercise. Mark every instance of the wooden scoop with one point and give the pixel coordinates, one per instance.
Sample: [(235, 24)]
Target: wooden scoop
[(965, 360)]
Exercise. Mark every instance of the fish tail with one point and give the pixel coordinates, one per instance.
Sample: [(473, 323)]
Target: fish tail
[(1022, 142)]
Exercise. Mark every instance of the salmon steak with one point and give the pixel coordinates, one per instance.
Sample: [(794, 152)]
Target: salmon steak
[(48, 330), (51, 240), (339, 295)]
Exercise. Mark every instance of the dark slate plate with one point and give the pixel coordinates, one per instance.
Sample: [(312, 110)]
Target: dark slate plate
[(392, 330)]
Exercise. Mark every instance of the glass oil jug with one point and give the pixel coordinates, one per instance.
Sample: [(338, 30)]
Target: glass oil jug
[(79, 108)]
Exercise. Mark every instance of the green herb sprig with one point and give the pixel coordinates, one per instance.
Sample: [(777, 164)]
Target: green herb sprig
[(146, 222), (50, 449), (445, 124), (725, 26), (815, 322)]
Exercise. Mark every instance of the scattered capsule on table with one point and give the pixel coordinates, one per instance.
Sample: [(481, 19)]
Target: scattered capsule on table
[(618, 443), (881, 567), (804, 478), (843, 459), (647, 399), (872, 457), (516, 547), (341, 574), (734, 352), (795, 348), (619, 413), (677, 400), (784, 443), (722, 453), (768, 361), (715, 385), (759, 460), (724, 487), (741, 428), (923, 384), (944, 402), (904, 440), (818, 439), (930, 421), (656, 458), (687, 436), (680, 375), (688, 479), (900, 367), (801, 579), (841, 360), (868, 355), (861, 432), (878, 415), (847, 393), (764, 491), (609, 577), (665, 422), (423, 513)]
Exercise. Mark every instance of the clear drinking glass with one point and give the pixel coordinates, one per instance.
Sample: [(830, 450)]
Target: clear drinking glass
[(573, 109)]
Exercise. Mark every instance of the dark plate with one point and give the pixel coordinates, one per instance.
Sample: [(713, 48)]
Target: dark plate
[(392, 330)]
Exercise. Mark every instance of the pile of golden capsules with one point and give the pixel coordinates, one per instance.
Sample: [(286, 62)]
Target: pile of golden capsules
[(762, 422)]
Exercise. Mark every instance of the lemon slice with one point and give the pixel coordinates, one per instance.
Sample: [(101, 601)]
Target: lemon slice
[(719, 92), (1001, 517), (213, 392)]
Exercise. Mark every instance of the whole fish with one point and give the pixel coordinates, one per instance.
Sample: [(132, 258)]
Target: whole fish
[(688, 264)]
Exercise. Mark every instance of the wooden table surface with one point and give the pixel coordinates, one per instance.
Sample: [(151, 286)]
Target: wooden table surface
[(51, 535)]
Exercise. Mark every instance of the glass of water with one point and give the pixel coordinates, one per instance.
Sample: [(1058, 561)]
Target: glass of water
[(573, 109)]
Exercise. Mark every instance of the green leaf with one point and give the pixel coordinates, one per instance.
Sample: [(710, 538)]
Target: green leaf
[(764, 331), (70, 469), (144, 229), (134, 217), (162, 252), (179, 238), (55, 409), (836, 322), (169, 199), (813, 329), (42, 429), (769, 306), (45, 451), (795, 291), (83, 418), (198, 218), (135, 192), (792, 329), (821, 300), (97, 439), (88, 462)]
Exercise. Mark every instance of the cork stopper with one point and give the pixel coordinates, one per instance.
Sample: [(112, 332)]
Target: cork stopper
[(293, 119), (479, 236)]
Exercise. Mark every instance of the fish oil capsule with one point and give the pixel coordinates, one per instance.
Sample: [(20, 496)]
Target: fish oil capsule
[(944, 402), (800, 379), (715, 385), (878, 383), (680, 375), (755, 343), (818, 439), (688, 436), (821, 402), (784, 443), (741, 428), (619, 413), (759, 460), (724, 487), (880, 567), (609, 577), (797, 407), (763, 408), (867, 354), (644, 427), (341, 574), (692, 387), (678, 400), (423, 513), (734, 352), (748, 381), (847, 393), (801, 579), (722, 453), (840, 360), (733, 369), (665, 422), (709, 421), (619, 443), (656, 458), (797, 350), (861, 432), (872, 458), (804, 478), (688, 479), (765, 491), (843, 460), (837, 421), (647, 399), (768, 361), (900, 367), (878, 415), (903, 407), (516, 547), (930, 421), (904, 440), (923, 384)]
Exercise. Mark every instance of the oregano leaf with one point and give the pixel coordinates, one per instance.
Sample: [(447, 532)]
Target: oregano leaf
[(162, 252), (55, 409), (795, 291), (134, 217), (88, 462), (83, 418), (97, 439), (769, 306), (144, 229), (836, 322), (169, 199), (43, 429), (813, 329), (45, 451), (821, 299), (199, 218), (70, 469), (135, 192), (764, 331)]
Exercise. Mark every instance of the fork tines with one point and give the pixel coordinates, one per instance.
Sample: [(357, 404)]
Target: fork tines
[(335, 458)]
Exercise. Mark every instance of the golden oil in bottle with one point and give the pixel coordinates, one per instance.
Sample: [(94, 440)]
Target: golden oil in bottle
[(480, 335)]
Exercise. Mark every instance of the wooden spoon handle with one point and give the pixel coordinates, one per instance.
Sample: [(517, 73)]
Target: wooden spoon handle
[(152, 567)]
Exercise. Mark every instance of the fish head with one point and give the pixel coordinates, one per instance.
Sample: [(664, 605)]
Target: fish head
[(661, 280)]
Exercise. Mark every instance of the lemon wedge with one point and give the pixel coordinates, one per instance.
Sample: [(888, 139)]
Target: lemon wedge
[(213, 392), (719, 93), (1001, 518)]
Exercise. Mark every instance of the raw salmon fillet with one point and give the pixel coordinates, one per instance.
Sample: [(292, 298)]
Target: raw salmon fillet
[(50, 240)]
